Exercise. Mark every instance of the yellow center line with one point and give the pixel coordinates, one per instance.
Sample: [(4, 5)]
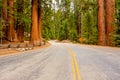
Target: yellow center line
[(75, 67)]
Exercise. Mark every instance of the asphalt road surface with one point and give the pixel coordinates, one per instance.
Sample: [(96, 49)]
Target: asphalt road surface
[(63, 61)]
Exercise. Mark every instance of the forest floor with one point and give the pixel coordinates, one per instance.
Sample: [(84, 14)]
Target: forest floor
[(10, 51)]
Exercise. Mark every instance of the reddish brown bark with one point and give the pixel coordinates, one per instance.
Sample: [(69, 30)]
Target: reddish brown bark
[(110, 12), (11, 35), (20, 27), (101, 23), (40, 19), (34, 29)]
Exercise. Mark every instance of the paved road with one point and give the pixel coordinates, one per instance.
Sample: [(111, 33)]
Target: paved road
[(63, 61)]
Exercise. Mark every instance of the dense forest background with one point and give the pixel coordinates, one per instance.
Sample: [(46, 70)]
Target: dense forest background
[(95, 21)]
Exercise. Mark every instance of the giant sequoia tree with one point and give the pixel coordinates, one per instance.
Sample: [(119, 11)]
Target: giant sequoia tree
[(11, 35), (17, 19), (20, 24), (106, 17), (40, 19), (36, 35), (35, 29), (101, 23), (110, 17)]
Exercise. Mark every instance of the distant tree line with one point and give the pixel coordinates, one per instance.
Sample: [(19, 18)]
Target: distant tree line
[(95, 21)]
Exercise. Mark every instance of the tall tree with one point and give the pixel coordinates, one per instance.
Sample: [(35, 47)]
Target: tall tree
[(79, 23), (11, 34), (101, 23), (110, 13), (20, 26), (34, 29), (40, 19), (77, 5)]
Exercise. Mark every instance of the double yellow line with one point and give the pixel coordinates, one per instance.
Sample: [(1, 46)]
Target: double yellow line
[(75, 67)]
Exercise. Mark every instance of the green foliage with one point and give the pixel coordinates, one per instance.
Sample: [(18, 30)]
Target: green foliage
[(59, 23), (89, 23), (47, 20), (24, 17), (60, 20), (116, 34), (1, 5)]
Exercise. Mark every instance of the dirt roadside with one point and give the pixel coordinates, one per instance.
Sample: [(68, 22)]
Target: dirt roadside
[(10, 51)]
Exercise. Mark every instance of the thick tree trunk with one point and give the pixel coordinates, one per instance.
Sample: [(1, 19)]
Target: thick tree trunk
[(101, 23), (11, 34), (20, 27), (110, 12), (20, 33), (40, 19), (34, 29)]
